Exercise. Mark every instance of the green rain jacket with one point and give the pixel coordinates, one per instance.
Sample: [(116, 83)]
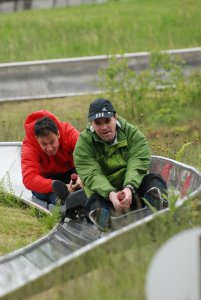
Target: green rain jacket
[(104, 168)]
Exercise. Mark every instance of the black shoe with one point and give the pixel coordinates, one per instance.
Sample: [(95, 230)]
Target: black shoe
[(61, 190), (101, 218), (154, 197)]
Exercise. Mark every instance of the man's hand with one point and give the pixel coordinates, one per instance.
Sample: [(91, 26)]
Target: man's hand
[(75, 185), (125, 197), (113, 197), (121, 199)]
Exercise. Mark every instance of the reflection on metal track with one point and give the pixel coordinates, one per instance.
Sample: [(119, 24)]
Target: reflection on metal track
[(33, 264), (73, 76)]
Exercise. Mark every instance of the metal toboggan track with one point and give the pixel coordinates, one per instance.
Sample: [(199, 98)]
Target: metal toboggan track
[(34, 263)]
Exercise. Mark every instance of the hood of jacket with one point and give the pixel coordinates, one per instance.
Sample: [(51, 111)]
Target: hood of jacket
[(31, 120)]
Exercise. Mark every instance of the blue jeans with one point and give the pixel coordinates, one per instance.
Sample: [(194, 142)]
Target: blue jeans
[(150, 180), (49, 198)]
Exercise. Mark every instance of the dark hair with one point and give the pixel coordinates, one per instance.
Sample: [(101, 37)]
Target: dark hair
[(44, 126)]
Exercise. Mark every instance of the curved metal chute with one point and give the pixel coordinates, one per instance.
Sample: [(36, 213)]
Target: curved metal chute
[(33, 264)]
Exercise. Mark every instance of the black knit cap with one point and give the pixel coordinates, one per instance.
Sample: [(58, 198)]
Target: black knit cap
[(101, 108)]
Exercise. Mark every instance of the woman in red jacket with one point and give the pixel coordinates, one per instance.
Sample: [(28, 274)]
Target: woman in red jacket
[(47, 153)]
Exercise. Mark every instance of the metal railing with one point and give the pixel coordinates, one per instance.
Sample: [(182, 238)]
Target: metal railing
[(29, 269), (72, 76)]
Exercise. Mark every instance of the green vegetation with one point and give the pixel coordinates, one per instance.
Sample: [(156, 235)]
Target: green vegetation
[(169, 118), (113, 265), (109, 28), (73, 109), (21, 224), (161, 101), (118, 269), (18, 228)]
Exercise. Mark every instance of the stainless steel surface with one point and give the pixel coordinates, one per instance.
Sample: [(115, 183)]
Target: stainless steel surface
[(11, 176), (34, 263), (72, 76)]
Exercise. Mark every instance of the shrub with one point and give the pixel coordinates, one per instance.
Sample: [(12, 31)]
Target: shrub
[(163, 87)]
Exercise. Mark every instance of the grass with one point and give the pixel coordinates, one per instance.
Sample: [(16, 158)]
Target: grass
[(18, 229), (21, 224), (73, 109), (113, 27), (164, 139), (117, 269)]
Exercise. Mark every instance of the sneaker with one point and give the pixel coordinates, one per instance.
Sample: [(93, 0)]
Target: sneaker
[(154, 197), (101, 218), (61, 190)]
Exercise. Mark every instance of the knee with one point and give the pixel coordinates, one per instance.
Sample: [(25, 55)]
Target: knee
[(93, 202)]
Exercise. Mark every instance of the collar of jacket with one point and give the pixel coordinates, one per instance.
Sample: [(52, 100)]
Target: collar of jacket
[(121, 140)]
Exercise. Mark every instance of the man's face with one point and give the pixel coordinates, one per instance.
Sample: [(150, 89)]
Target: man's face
[(105, 128), (49, 144)]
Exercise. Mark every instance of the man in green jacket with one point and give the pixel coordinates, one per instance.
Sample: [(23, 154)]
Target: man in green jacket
[(112, 158)]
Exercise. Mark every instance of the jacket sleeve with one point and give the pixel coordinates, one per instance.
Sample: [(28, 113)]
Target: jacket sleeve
[(30, 164), (89, 169), (138, 157)]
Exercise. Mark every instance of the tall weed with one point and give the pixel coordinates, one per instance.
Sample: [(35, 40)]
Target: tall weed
[(159, 93), (125, 87), (181, 152)]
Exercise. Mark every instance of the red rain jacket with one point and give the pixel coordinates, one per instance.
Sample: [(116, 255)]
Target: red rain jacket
[(36, 165)]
